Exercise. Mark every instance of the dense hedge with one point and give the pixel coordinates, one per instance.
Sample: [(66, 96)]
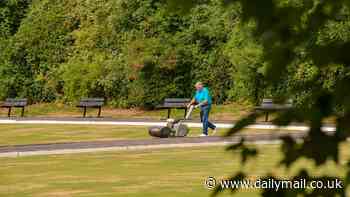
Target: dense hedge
[(135, 53)]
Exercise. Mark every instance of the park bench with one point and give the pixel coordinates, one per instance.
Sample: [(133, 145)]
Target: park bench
[(14, 103), (175, 103), (268, 105), (91, 103)]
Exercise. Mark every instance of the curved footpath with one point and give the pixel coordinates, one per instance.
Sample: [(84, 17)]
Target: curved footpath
[(154, 143)]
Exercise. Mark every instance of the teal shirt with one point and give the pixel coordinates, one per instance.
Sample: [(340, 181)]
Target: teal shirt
[(203, 95)]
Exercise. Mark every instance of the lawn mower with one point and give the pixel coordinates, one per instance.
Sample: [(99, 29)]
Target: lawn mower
[(173, 128)]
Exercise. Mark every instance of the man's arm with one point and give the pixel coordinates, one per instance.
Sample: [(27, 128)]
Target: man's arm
[(205, 102), (192, 102)]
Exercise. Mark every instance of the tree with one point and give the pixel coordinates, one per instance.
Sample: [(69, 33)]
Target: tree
[(114, 43)]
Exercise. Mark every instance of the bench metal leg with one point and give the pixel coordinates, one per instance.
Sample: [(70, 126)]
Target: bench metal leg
[(266, 116), (99, 112), (185, 113), (169, 111), (9, 112), (22, 114), (84, 115)]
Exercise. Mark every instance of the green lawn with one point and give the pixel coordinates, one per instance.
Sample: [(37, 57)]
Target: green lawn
[(16, 134), (41, 134), (166, 172)]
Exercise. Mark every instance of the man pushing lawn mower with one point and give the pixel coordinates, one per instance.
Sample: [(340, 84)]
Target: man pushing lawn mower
[(202, 100), (176, 128)]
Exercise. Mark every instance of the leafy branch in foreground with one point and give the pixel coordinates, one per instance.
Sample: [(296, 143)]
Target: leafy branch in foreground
[(294, 33)]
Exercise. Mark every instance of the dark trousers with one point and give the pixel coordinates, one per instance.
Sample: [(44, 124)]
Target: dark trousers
[(205, 119)]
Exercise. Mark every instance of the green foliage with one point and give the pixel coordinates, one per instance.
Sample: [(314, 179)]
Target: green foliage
[(11, 14), (134, 53), (34, 52), (245, 54)]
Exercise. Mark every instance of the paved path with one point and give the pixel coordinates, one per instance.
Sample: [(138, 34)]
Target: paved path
[(154, 143)]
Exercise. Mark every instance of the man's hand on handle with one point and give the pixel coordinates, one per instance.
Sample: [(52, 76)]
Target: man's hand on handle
[(201, 104), (193, 102)]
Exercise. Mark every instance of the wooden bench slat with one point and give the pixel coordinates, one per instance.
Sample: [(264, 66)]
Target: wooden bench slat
[(92, 100), (15, 102), (89, 104), (177, 100), (175, 104)]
